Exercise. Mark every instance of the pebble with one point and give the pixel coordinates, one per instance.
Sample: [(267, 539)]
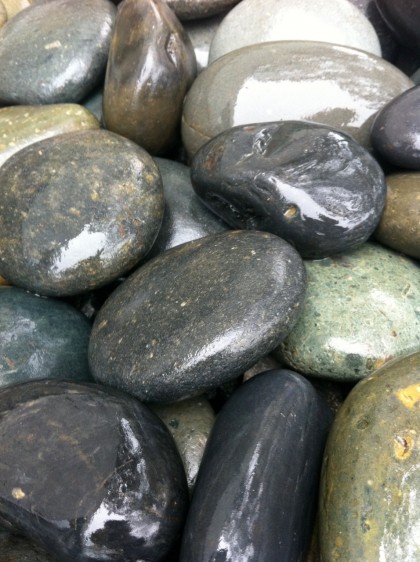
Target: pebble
[(329, 84), (361, 310), (402, 17), (54, 52), (41, 338), (199, 314), (260, 21), (399, 227), (77, 211), (89, 473), (313, 186), (197, 9)]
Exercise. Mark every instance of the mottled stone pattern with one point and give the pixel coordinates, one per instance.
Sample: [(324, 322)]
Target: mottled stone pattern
[(54, 52), (197, 9), (370, 472), (89, 473), (198, 315), (77, 211), (361, 311), (150, 67)]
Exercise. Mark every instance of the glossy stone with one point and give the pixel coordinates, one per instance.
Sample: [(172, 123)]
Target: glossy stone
[(309, 184), (89, 474), (201, 33), (259, 21), (368, 507), (22, 125), (402, 17), (199, 314), (399, 227), (41, 338), (18, 549), (361, 311), (258, 482), (196, 9), (396, 130), (77, 211), (190, 422), (150, 67), (336, 86), (54, 52)]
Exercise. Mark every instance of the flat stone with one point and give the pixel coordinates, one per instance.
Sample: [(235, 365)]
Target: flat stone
[(54, 52), (402, 17), (201, 33), (259, 21), (19, 549), (399, 227), (78, 210), (22, 125), (361, 310), (396, 130), (89, 473), (313, 186), (328, 84), (199, 314), (151, 65), (197, 9)]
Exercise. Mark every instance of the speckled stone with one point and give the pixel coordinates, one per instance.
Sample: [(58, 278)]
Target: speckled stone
[(18, 549), (54, 52), (402, 17), (399, 227), (196, 9), (3, 14), (361, 310), (329, 84), (190, 422), (185, 217), (77, 211), (89, 473), (23, 125), (201, 33), (197, 315), (313, 186), (259, 21), (151, 65)]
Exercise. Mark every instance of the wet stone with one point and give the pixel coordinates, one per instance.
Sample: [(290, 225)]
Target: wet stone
[(311, 185), (108, 484), (199, 314), (197, 9), (54, 52), (78, 210), (402, 17), (18, 549), (360, 312)]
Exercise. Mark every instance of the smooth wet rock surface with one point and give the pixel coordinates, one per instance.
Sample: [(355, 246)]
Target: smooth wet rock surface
[(197, 9), (361, 310), (89, 474), (77, 211), (200, 315), (309, 184)]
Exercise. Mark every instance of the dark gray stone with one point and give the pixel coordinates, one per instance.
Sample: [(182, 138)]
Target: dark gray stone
[(197, 9), (402, 17)]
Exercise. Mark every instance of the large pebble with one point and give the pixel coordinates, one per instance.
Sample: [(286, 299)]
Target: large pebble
[(77, 211), (198, 315)]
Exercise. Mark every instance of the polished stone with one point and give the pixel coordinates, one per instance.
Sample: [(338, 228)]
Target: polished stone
[(151, 65), (402, 17), (361, 311), (197, 315), (336, 86), (41, 338), (399, 227), (89, 473), (313, 186), (77, 211), (54, 52), (259, 21), (197, 9), (22, 125)]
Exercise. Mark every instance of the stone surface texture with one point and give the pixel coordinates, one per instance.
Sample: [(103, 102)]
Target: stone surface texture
[(197, 9)]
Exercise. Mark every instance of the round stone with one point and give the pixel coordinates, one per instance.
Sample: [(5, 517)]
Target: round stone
[(197, 9), (402, 17), (197, 315), (77, 211)]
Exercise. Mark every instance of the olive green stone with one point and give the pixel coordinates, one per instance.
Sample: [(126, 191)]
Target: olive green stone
[(399, 227), (362, 310), (368, 505), (22, 125)]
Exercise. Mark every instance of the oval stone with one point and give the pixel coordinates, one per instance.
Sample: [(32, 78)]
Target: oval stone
[(402, 17), (54, 52), (399, 227), (259, 21), (77, 210), (309, 184), (329, 84), (361, 310), (41, 338), (89, 473), (197, 9), (197, 315), (151, 65)]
